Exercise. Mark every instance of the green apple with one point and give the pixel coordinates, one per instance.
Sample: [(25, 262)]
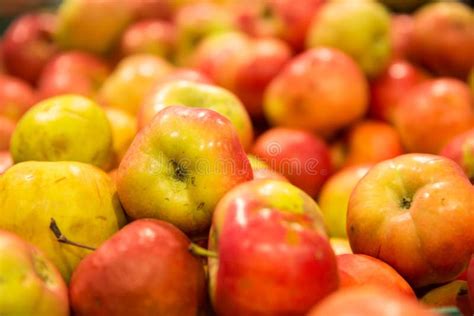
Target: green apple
[(359, 28), (132, 79), (334, 198), (63, 128), (30, 284), (92, 25), (81, 198), (194, 94), (180, 165)]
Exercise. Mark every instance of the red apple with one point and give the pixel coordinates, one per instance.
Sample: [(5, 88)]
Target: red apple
[(7, 127), (280, 18), (155, 37), (273, 255), (391, 85), (396, 208), (148, 108), (321, 90), (461, 150), (432, 113), (371, 142), (443, 38), (144, 269), (370, 300), (358, 270), (401, 33), (16, 97), (303, 158), (74, 72), (242, 64), (6, 161), (28, 45)]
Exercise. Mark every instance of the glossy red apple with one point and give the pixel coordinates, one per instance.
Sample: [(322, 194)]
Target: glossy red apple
[(279, 18), (242, 64), (74, 72), (321, 90), (470, 280), (370, 300), (394, 210), (155, 37), (432, 113), (28, 45), (371, 142), (255, 226), (16, 97), (144, 269), (303, 158), (461, 150), (391, 85), (443, 38), (358, 270)]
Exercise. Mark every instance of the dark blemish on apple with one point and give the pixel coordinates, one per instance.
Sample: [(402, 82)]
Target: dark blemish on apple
[(101, 217), (200, 206), (193, 181), (405, 203), (179, 173), (60, 179), (352, 229)]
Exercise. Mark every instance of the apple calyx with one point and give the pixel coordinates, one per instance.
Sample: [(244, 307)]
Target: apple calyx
[(201, 252), (63, 239), (405, 203)]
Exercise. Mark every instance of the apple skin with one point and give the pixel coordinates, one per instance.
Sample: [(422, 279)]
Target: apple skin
[(90, 25), (16, 97), (340, 246), (261, 171), (197, 157), (334, 198), (303, 158), (370, 300), (360, 29), (446, 108), (278, 18), (195, 21), (389, 87), (150, 36), (27, 45), (63, 128), (124, 129), (401, 33), (199, 95), (31, 284), (242, 64), (7, 127), (131, 80), (443, 38), (255, 225), (73, 72), (395, 208), (461, 150), (144, 269), (147, 109), (6, 161), (297, 97), (63, 191), (358, 270), (371, 142)]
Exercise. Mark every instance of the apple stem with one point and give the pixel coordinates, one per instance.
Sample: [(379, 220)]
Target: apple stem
[(63, 239), (200, 251)]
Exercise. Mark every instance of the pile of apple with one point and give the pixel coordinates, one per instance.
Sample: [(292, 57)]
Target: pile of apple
[(238, 158)]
